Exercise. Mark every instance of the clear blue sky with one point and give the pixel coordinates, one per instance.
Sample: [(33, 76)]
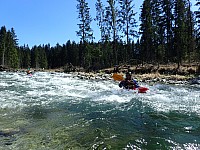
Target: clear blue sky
[(46, 21)]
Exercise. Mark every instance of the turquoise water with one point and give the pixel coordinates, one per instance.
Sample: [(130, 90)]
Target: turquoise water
[(57, 111)]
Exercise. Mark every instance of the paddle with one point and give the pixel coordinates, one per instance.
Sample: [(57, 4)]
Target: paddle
[(119, 77)]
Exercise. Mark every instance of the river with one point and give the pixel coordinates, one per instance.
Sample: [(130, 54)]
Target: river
[(58, 111)]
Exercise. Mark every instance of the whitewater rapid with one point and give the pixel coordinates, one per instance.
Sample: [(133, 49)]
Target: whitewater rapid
[(18, 90), (62, 111)]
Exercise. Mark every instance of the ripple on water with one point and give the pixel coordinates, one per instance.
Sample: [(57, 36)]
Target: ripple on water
[(57, 111)]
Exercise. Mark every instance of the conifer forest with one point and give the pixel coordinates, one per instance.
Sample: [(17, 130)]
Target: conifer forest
[(167, 31)]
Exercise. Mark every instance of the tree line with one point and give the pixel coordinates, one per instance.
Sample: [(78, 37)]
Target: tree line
[(168, 33)]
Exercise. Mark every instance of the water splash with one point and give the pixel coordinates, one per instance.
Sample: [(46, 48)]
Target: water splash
[(91, 112)]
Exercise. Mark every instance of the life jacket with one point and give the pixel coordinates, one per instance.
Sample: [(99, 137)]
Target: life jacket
[(126, 85)]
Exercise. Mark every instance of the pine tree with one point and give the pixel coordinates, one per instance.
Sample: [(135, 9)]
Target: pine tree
[(190, 32), (42, 57), (111, 19), (3, 34), (197, 13), (127, 24), (74, 51), (100, 18), (168, 19), (146, 31), (127, 19), (85, 31), (157, 32), (35, 57), (47, 49), (12, 52), (24, 55), (180, 34)]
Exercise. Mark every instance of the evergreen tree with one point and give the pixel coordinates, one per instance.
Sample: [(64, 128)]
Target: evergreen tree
[(180, 34), (12, 53), (56, 56), (47, 49), (73, 52), (27, 57), (197, 32), (168, 19), (100, 18), (158, 32), (35, 57), (3, 34), (127, 19), (127, 23), (190, 32), (107, 51), (63, 55), (24, 55), (85, 31), (69, 51), (111, 19), (146, 31), (42, 57)]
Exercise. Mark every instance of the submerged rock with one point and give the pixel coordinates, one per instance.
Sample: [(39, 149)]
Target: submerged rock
[(8, 132), (8, 136)]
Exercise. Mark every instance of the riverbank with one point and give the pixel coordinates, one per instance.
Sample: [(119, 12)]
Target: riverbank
[(147, 78), (170, 74)]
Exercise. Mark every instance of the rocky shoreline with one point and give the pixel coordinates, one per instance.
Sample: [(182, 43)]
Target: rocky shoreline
[(147, 78), (149, 74), (141, 75)]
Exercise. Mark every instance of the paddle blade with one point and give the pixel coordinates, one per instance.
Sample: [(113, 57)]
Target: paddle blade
[(142, 89), (118, 77)]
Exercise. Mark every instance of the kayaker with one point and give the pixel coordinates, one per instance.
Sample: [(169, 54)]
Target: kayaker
[(28, 71), (128, 82)]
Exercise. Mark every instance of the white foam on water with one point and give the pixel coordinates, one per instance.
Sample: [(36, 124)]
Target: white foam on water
[(3, 85), (44, 88), (174, 98)]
